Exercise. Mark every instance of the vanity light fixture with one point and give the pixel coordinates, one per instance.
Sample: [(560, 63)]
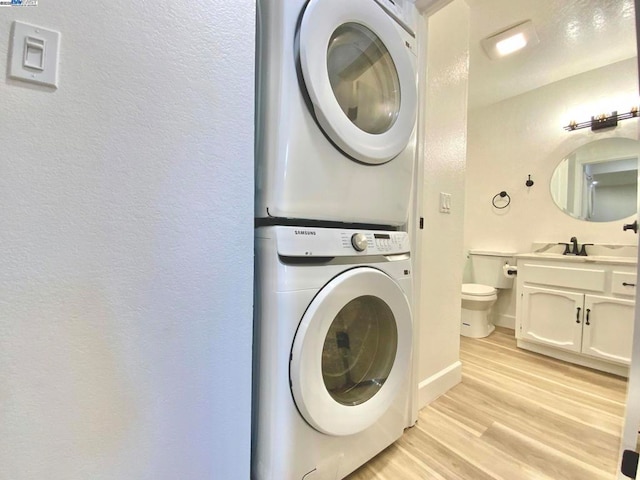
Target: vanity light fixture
[(603, 120), (510, 40)]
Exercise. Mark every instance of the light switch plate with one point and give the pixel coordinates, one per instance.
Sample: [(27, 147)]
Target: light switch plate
[(445, 202), (34, 54)]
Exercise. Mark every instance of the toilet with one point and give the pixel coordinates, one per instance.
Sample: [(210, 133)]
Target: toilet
[(489, 274)]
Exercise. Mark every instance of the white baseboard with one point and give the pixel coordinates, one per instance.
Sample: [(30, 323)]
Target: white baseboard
[(506, 321), (431, 388)]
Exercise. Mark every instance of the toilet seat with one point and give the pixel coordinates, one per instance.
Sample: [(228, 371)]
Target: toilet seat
[(477, 290)]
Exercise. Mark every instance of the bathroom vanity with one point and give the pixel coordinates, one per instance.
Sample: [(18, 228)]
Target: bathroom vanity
[(578, 308)]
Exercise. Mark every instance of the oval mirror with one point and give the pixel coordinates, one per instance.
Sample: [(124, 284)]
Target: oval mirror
[(598, 182)]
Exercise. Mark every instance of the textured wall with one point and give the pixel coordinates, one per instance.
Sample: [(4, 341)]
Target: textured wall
[(443, 148), (126, 245), (523, 135)]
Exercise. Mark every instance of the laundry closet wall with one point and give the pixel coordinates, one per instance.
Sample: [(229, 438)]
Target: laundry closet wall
[(442, 151), (126, 245)]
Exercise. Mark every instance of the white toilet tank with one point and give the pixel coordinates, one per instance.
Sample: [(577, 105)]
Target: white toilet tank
[(487, 268)]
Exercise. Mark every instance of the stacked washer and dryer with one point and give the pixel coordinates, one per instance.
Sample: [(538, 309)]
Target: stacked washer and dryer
[(334, 171)]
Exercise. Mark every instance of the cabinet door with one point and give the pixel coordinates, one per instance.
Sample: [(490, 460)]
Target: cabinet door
[(553, 317), (608, 328)]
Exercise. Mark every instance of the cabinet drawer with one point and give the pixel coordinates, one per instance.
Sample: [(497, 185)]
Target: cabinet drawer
[(579, 278), (623, 283)]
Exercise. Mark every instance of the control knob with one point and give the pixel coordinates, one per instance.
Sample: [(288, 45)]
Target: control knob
[(359, 242)]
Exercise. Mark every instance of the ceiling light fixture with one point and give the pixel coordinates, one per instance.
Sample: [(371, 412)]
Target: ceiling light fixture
[(510, 40)]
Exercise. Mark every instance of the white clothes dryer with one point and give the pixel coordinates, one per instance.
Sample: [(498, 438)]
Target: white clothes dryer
[(336, 115), (333, 336)]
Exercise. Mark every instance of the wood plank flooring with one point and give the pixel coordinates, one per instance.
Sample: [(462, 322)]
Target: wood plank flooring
[(516, 415)]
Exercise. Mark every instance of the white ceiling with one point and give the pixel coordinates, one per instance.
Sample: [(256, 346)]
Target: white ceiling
[(575, 36)]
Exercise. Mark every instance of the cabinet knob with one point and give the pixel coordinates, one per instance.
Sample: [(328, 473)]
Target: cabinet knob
[(588, 312), (578, 315), (627, 284)]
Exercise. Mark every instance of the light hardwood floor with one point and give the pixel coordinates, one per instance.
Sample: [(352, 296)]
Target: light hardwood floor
[(516, 415)]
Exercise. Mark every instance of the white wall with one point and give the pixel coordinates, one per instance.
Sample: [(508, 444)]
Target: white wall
[(524, 135), (126, 245), (442, 148)]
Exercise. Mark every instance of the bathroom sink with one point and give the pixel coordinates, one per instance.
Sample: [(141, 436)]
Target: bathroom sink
[(599, 253), (627, 260)]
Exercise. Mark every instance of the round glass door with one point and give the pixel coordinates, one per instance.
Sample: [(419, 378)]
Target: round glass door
[(351, 353), (363, 78), (359, 350), (359, 77)]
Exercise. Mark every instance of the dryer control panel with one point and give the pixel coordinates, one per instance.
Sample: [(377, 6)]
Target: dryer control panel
[(330, 242), (403, 12)]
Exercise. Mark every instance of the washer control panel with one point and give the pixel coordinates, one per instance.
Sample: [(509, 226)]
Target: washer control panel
[(335, 242)]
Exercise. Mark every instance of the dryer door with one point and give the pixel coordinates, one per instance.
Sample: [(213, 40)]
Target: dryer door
[(351, 353), (359, 76)]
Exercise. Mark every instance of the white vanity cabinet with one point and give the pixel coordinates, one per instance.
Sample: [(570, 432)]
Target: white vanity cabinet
[(548, 317), (580, 311), (607, 331)]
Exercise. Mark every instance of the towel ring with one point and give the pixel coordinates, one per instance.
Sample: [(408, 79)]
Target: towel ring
[(500, 195)]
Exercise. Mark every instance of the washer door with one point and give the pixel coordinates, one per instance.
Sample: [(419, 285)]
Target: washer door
[(351, 352), (359, 77)]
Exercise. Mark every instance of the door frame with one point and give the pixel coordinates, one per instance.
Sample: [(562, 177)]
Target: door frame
[(629, 437)]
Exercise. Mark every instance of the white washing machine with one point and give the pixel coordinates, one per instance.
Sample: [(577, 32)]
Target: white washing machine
[(336, 113), (333, 336)]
